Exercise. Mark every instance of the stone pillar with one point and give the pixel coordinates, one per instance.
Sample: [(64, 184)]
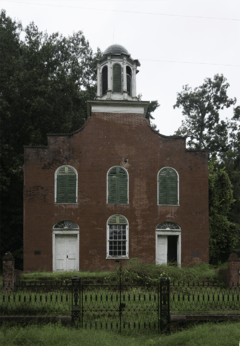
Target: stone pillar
[(233, 271), (8, 272)]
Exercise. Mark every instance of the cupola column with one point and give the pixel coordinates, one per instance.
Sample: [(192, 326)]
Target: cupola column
[(124, 79), (98, 81), (109, 92), (134, 87)]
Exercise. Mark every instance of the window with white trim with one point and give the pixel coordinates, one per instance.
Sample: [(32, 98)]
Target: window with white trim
[(168, 186), (66, 184), (117, 185), (117, 237)]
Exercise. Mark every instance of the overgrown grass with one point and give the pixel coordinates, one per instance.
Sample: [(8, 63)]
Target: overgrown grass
[(136, 270), (39, 275), (202, 335)]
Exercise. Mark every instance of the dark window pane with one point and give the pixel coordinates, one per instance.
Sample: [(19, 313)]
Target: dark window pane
[(117, 78), (104, 80)]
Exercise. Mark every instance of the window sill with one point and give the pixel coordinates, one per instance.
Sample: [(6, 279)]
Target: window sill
[(65, 203), (168, 205), (118, 204), (117, 257)]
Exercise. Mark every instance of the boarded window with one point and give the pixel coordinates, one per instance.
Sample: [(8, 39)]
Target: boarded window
[(66, 185), (129, 81), (168, 186), (117, 78), (117, 186), (104, 80)]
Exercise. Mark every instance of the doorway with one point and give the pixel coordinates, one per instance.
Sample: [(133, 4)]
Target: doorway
[(66, 252), (65, 246), (168, 247)]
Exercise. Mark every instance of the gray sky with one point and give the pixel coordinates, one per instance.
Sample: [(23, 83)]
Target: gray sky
[(177, 42)]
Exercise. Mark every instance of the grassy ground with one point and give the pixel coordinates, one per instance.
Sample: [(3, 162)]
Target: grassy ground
[(202, 335)]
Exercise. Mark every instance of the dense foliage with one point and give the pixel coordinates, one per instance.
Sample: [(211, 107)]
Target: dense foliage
[(224, 236), (201, 108), (204, 130), (45, 82)]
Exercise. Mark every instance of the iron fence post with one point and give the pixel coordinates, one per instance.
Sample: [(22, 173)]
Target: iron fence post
[(120, 293), (77, 310), (164, 305)]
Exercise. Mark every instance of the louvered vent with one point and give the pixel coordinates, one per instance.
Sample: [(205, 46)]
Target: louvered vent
[(117, 186), (168, 186), (117, 78)]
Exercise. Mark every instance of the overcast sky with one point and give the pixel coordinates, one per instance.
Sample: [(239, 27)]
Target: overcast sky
[(177, 42)]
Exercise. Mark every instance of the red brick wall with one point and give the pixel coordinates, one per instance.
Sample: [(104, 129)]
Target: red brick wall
[(104, 141)]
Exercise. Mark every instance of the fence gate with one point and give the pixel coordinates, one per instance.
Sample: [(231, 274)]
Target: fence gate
[(120, 306)]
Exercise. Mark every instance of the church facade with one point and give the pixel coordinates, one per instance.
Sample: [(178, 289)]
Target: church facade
[(114, 189)]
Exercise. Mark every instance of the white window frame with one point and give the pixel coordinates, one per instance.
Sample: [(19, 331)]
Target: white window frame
[(172, 205), (127, 185), (63, 231), (55, 184), (127, 241), (166, 232)]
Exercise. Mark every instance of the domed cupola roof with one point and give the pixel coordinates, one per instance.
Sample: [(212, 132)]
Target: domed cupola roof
[(116, 49)]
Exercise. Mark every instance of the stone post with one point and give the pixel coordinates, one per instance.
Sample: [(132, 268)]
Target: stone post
[(233, 271), (8, 272)]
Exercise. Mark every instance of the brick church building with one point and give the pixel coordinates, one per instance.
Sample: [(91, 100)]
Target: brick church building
[(114, 189)]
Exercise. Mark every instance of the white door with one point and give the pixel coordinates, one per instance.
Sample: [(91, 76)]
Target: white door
[(66, 252), (162, 245), (71, 250)]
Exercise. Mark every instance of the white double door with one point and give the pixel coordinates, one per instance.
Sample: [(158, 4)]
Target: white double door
[(66, 250)]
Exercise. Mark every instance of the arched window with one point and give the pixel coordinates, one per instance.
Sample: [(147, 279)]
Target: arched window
[(104, 80), (117, 185), (117, 78), (66, 185), (129, 81), (117, 236), (168, 186)]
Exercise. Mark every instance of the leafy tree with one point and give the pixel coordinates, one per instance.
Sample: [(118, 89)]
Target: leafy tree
[(201, 108), (224, 236), (153, 105), (231, 160), (45, 81)]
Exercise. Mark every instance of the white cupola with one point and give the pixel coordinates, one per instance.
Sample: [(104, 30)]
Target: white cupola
[(116, 75)]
